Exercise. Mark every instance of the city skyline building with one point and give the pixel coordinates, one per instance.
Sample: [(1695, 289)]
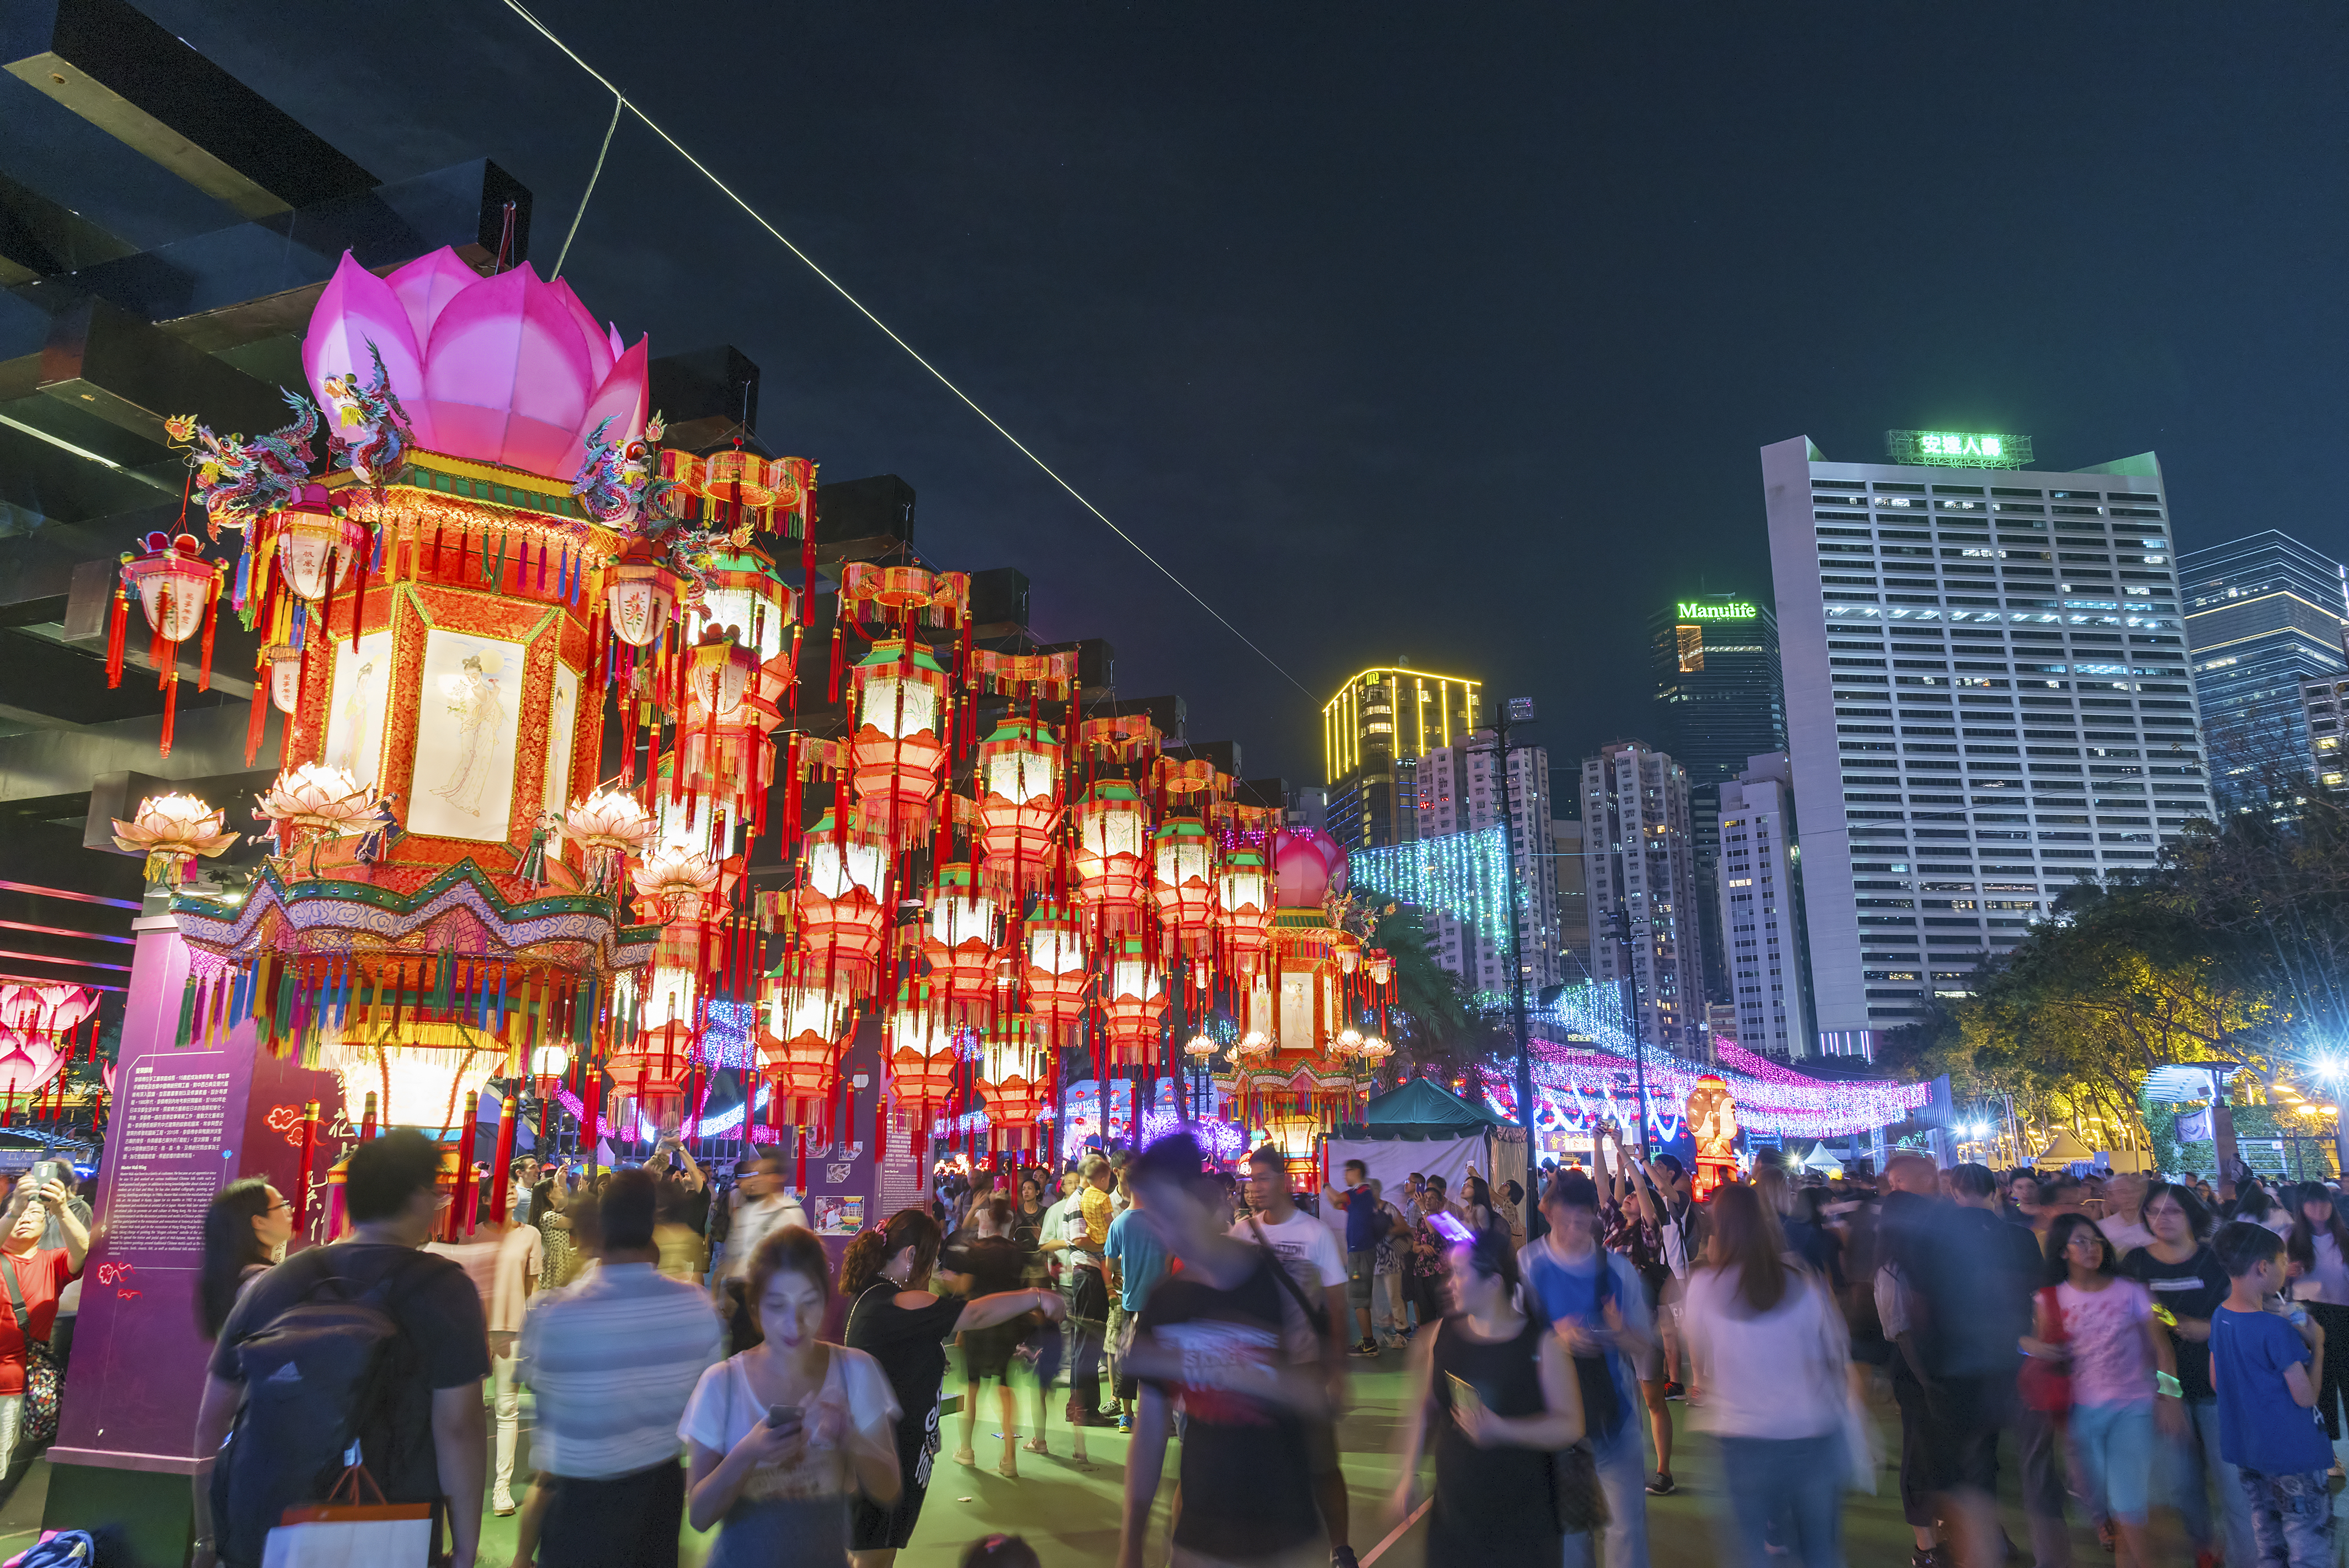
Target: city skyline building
[(1382, 720), (1459, 791), (1988, 697), (1642, 890), (2264, 618), (1720, 700), (1573, 882), (1760, 864)]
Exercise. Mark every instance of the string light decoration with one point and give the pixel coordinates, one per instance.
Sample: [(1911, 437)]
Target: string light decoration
[(1579, 1078), (1464, 875)]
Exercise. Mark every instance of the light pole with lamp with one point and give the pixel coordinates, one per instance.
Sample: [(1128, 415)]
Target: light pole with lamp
[(1200, 1053), (1518, 711)]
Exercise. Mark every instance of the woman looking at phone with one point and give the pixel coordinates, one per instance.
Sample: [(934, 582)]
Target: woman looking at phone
[(1501, 1397), (783, 1435)]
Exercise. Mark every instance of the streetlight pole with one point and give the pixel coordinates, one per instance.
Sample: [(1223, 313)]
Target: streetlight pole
[(1518, 711)]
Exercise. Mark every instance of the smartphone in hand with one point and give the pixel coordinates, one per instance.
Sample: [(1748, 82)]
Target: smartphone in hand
[(783, 1417)]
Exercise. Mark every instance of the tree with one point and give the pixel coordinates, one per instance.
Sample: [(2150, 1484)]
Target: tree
[(2121, 980), (1430, 1021)]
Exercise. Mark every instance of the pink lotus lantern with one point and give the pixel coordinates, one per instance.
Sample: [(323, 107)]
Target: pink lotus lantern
[(508, 369), (1309, 867), (35, 1024)]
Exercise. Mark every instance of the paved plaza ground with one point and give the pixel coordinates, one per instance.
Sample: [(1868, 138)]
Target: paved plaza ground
[(1069, 1515)]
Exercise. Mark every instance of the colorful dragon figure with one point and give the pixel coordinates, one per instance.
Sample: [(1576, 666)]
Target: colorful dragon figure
[(614, 486), (617, 486), (238, 479), (379, 456)]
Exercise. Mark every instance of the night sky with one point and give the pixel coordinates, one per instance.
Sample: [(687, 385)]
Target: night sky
[(1445, 333)]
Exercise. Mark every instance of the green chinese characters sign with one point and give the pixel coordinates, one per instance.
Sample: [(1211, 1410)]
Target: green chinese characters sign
[(1697, 610), (1957, 450)]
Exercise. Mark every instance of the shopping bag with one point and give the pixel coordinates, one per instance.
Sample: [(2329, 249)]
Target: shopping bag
[(353, 1533)]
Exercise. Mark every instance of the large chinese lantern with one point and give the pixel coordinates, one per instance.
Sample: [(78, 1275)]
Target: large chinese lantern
[(445, 613), (964, 928), (1183, 883), (898, 753), (921, 1047), (1244, 896), (842, 909), (1056, 971), (1112, 858), (1019, 783), (1134, 1000), (1015, 1074)]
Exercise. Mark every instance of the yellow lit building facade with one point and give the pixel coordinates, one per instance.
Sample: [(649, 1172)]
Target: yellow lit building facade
[(1373, 732)]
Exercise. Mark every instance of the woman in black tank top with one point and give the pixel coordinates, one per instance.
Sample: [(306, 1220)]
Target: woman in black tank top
[(1499, 1399)]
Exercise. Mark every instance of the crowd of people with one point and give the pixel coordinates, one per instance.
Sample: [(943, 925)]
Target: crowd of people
[(694, 1356)]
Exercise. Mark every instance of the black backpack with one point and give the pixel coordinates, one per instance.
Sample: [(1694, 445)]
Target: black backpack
[(315, 1377)]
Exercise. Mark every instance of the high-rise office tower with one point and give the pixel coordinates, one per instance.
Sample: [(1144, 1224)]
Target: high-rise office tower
[(2324, 705), (1460, 792), (1987, 698), (1573, 899), (1642, 886), (2264, 617), (1720, 700), (1761, 870), (1380, 719)]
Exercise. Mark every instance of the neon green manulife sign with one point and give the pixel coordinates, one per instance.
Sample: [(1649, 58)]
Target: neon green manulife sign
[(1957, 450), (1692, 610)]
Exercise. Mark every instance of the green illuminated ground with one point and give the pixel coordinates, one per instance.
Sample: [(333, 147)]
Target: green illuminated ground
[(1069, 1515)]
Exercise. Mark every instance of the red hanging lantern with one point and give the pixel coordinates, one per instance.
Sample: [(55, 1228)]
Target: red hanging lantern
[(1112, 858), (1019, 782), (178, 590), (641, 597), (898, 754), (964, 932), (1058, 972), (1184, 882), (1243, 894), (1134, 1000), (842, 908)]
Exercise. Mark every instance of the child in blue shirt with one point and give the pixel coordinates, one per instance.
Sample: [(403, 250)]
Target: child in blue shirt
[(2262, 1364)]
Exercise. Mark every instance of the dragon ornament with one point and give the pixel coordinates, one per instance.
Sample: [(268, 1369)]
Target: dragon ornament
[(379, 454), (237, 479)]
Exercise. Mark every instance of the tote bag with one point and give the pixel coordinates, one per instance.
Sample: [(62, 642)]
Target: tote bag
[(354, 1534)]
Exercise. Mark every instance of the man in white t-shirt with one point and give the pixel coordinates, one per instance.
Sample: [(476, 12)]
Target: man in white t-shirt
[(521, 1252), (1308, 1251)]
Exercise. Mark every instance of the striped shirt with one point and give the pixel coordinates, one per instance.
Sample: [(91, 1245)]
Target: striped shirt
[(613, 1360)]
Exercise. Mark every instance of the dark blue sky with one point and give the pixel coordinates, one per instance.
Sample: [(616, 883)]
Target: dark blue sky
[(1440, 332)]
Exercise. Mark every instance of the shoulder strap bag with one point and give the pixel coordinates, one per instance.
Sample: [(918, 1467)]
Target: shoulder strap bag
[(1316, 1315), (39, 1424)]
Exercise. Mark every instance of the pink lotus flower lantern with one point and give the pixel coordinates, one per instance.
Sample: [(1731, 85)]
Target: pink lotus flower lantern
[(1310, 867), (506, 369), (35, 1024)]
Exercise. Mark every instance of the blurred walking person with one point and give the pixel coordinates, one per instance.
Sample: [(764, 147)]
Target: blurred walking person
[(2102, 1326), (1774, 1358), (612, 1361), (783, 1436), (1593, 1299), (895, 1321), (2188, 1283)]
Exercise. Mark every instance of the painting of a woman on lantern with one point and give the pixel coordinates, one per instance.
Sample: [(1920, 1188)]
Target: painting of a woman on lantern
[(480, 711)]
